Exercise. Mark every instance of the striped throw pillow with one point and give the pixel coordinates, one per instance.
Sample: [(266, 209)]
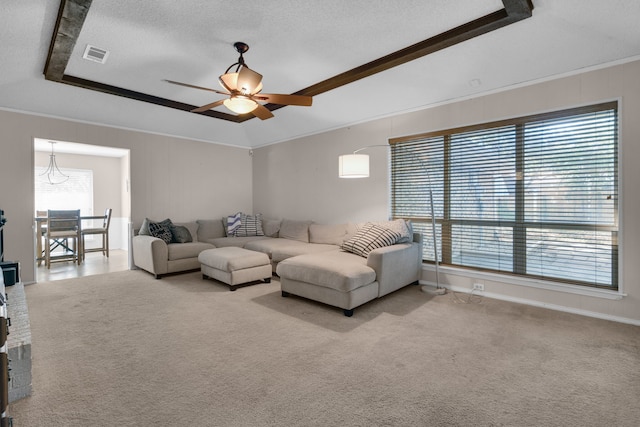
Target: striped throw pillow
[(233, 223), (250, 225), (370, 237)]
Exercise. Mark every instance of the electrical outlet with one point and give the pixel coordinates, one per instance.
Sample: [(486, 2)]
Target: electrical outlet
[(478, 287)]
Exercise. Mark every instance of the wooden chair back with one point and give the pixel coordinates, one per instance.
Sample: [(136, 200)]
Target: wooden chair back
[(63, 220)]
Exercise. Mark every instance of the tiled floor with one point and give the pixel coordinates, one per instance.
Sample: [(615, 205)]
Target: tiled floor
[(94, 263)]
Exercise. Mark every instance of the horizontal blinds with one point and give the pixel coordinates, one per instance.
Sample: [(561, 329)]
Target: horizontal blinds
[(534, 196), (75, 193)]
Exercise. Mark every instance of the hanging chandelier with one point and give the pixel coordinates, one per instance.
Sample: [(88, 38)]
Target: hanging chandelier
[(53, 173)]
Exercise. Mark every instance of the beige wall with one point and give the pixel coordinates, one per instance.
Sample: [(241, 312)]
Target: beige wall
[(170, 177), (298, 178)]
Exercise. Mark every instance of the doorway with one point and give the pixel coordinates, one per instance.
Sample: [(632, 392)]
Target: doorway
[(93, 178)]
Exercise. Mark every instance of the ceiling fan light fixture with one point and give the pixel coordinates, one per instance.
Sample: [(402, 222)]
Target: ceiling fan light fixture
[(240, 104), (243, 86), (229, 81)]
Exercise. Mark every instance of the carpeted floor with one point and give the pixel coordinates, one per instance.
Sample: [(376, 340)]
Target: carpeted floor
[(124, 349)]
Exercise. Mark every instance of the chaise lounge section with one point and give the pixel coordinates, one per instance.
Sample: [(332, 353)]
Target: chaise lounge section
[(346, 280)]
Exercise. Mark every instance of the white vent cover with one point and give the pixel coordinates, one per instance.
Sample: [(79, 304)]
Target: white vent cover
[(95, 54)]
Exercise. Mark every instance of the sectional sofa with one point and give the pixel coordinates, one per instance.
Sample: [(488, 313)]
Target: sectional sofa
[(313, 261)]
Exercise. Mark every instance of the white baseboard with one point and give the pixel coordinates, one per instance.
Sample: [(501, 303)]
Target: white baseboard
[(534, 303)]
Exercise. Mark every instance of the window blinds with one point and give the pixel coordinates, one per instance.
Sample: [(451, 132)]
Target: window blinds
[(534, 196)]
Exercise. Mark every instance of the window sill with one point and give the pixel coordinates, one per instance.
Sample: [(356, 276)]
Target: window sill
[(532, 283)]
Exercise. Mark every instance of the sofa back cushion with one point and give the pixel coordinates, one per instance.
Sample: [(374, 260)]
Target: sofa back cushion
[(295, 230), (330, 234), (210, 229), (271, 227)]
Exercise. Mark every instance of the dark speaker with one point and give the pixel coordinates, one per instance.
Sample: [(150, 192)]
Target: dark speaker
[(10, 272)]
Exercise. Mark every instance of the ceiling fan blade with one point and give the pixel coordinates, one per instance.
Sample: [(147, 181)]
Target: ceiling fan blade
[(262, 112), (207, 107), (195, 87), (276, 98), (249, 81)]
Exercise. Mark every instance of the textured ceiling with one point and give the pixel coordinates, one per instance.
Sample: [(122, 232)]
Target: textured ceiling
[(295, 44)]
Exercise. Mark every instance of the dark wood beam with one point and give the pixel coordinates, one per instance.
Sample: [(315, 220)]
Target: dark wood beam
[(72, 14), (514, 11), (139, 96)]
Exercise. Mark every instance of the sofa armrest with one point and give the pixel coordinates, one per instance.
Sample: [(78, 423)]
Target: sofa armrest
[(150, 254), (396, 266)]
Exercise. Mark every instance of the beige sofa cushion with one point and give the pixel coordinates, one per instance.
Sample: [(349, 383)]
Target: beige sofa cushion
[(295, 230), (230, 259), (329, 234), (210, 229), (240, 242), (186, 250), (267, 246), (337, 270), (280, 254), (271, 227)]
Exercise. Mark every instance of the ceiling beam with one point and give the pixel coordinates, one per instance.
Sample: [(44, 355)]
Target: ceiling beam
[(514, 11), (139, 96), (72, 14)]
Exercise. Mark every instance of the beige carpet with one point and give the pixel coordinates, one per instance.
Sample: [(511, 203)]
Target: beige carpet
[(123, 349)]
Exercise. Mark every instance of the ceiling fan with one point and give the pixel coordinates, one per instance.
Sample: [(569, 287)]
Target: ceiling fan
[(243, 85)]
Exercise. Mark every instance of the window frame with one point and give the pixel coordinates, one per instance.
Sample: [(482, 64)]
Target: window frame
[(519, 225)]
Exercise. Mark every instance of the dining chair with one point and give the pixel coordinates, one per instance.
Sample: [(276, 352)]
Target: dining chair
[(41, 234), (102, 231), (63, 226)]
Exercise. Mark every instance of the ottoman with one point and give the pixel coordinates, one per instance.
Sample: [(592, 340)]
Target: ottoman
[(336, 278), (235, 266)]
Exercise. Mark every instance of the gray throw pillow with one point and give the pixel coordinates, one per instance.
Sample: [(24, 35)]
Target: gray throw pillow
[(161, 231), (144, 228), (180, 234)]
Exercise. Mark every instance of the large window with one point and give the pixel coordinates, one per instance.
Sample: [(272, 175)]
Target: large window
[(75, 193), (534, 196)]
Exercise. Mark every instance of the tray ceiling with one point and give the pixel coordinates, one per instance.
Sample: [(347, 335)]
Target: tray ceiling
[(298, 46)]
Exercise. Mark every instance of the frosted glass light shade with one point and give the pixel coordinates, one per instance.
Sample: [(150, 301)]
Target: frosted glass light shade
[(240, 105), (230, 82), (353, 166)]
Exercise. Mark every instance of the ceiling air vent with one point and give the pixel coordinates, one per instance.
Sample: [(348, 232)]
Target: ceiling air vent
[(95, 54)]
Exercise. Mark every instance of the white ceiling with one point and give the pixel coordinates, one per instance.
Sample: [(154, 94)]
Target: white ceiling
[(295, 44)]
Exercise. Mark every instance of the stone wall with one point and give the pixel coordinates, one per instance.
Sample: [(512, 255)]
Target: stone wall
[(19, 343)]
